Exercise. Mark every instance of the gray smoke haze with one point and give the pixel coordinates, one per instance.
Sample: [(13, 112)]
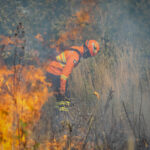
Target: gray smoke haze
[(122, 27), (125, 37)]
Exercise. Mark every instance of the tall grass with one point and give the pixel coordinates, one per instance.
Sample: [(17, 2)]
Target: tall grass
[(126, 72)]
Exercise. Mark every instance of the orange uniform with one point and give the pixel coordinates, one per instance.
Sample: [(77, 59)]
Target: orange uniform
[(64, 63)]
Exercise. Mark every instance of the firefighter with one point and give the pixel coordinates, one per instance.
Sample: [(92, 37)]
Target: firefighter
[(59, 69)]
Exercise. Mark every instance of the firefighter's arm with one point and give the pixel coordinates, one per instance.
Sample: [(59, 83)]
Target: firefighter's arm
[(66, 72)]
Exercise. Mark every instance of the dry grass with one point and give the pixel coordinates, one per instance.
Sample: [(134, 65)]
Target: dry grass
[(124, 75)]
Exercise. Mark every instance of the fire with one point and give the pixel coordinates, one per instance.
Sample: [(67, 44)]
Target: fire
[(74, 28), (82, 17), (6, 40), (64, 142), (39, 37), (23, 91)]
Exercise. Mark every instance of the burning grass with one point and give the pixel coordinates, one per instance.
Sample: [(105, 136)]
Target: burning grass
[(23, 91), (108, 123)]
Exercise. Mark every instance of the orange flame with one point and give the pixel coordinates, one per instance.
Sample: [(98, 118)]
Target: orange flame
[(10, 40), (23, 91), (62, 143), (5, 40), (74, 27), (82, 17), (39, 37)]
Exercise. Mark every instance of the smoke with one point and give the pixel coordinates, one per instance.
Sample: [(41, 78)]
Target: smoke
[(122, 66), (122, 29)]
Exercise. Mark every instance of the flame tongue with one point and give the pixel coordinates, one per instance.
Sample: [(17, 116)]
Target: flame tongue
[(22, 94)]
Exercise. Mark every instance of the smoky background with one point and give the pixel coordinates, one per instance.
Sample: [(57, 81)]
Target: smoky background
[(120, 73)]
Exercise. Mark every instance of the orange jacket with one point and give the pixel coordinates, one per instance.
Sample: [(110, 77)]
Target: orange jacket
[(64, 64)]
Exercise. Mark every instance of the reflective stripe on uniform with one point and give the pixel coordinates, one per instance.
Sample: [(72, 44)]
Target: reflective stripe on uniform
[(62, 64), (63, 77), (58, 58), (62, 108), (63, 57), (66, 103)]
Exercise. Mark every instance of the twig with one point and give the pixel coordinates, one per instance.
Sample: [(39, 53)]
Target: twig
[(90, 122), (92, 117), (130, 123), (140, 111), (110, 96)]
